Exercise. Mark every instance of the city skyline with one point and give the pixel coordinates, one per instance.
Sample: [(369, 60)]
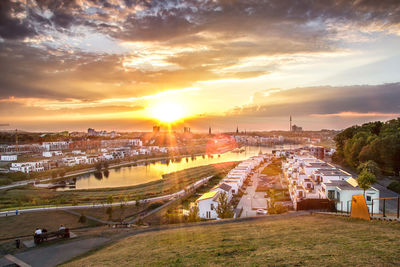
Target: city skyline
[(126, 66)]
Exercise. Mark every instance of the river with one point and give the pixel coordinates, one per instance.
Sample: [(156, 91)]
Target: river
[(134, 175)]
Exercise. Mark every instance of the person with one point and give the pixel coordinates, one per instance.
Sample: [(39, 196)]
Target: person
[(62, 227), (38, 236)]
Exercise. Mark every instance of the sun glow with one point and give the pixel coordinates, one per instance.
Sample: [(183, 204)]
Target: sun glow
[(168, 112)]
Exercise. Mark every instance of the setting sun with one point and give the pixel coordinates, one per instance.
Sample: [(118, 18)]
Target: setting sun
[(168, 112)]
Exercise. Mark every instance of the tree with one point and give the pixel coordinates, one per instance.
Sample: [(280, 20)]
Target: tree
[(109, 209), (194, 214), (224, 209), (366, 179), (370, 166)]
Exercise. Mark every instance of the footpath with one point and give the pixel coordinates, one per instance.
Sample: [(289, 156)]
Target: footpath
[(57, 254)]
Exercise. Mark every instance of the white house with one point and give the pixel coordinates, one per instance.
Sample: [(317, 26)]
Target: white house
[(207, 204), (9, 157), (60, 145), (224, 188), (28, 167), (49, 154), (343, 191)]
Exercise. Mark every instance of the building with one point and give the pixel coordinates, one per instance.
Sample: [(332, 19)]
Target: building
[(28, 167), (207, 204), (49, 154), (311, 178), (296, 128), (186, 129), (223, 189), (156, 129), (60, 145), (342, 193), (8, 157)]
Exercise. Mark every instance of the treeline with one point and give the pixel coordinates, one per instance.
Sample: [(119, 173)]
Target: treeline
[(375, 141)]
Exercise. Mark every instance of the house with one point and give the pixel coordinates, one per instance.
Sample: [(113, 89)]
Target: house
[(223, 188), (342, 193), (28, 167), (8, 157), (49, 154), (207, 204)]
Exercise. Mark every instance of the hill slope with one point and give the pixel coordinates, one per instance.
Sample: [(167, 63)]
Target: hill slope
[(306, 240)]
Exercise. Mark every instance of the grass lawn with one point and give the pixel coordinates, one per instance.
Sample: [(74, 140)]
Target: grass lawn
[(26, 223), (296, 241), (273, 168)]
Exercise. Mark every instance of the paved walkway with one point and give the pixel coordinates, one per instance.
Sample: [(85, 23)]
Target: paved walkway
[(252, 199), (55, 255)]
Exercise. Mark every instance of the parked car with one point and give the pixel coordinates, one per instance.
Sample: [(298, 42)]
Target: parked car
[(261, 212)]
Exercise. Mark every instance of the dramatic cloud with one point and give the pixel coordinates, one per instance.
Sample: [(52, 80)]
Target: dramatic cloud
[(89, 51)]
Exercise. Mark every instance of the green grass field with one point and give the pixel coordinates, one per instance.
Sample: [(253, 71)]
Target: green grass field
[(297, 241)]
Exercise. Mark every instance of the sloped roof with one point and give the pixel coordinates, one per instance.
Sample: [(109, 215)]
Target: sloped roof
[(208, 195), (225, 187)]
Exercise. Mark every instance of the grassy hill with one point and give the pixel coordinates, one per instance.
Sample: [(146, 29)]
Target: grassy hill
[(315, 240)]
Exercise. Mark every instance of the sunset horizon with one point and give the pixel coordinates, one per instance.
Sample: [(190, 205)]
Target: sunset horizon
[(72, 65), (199, 133)]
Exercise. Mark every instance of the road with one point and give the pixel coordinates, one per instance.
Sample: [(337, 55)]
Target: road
[(252, 199), (133, 202)]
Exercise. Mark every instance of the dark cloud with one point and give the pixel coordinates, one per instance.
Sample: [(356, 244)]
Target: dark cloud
[(324, 100), (12, 27)]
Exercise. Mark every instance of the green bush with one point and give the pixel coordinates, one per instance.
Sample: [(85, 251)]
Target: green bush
[(394, 186)]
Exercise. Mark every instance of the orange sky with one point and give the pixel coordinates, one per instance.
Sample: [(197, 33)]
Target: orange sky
[(70, 65)]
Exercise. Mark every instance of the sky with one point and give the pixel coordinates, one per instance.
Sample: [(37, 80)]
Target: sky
[(126, 65)]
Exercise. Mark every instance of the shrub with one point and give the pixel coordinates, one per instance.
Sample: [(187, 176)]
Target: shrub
[(277, 209)]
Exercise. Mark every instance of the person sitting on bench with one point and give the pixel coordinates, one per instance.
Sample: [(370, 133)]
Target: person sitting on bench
[(62, 227), (38, 236)]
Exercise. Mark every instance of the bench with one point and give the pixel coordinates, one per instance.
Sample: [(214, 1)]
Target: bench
[(64, 233)]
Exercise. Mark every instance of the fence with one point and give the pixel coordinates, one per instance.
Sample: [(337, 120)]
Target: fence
[(384, 201)]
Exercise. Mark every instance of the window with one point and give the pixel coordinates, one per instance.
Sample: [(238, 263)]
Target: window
[(369, 198), (212, 207), (338, 196), (308, 186)]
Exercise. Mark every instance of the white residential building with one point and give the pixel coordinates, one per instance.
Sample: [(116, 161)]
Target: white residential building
[(207, 204), (60, 145), (49, 154), (28, 167), (8, 157), (342, 193)]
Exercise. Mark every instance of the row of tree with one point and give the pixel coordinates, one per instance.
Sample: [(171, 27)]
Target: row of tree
[(374, 145)]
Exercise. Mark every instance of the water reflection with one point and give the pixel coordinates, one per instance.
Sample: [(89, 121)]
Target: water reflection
[(146, 172)]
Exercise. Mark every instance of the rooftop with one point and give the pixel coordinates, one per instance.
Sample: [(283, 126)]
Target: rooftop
[(333, 172), (207, 195)]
